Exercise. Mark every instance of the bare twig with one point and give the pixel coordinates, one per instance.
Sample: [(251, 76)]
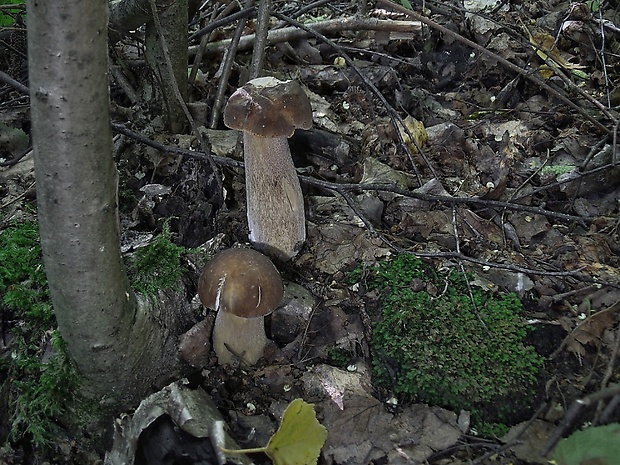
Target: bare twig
[(573, 413), (609, 372), (224, 21), (260, 44), (13, 83), (514, 441), (225, 71), (179, 97), (223, 18)]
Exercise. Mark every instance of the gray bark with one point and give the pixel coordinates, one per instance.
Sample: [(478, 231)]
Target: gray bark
[(129, 15), (174, 28), (120, 345)]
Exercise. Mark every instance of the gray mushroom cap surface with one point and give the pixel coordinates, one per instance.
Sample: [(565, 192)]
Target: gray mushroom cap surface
[(267, 107)]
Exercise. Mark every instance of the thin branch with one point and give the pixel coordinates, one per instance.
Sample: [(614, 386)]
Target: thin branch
[(222, 18), (13, 83), (573, 413), (177, 93), (260, 44), (226, 70), (445, 199), (246, 13)]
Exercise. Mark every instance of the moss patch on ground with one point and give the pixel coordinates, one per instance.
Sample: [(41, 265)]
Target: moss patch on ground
[(443, 342), (38, 377)]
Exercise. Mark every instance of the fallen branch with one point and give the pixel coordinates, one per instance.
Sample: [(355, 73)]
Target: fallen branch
[(331, 26)]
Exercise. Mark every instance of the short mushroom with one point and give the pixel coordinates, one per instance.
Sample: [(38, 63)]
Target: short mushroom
[(268, 111), (243, 286)]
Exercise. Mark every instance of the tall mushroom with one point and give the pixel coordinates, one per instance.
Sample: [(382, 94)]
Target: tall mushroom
[(243, 286), (268, 111)]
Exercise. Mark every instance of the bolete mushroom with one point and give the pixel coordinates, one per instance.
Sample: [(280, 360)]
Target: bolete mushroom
[(268, 111), (243, 286)]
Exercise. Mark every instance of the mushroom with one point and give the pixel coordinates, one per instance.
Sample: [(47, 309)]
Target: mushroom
[(268, 111), (243, 286)]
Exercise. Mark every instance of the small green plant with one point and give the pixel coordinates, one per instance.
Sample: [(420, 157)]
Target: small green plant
[(339, 357), (156, 266), (433, 343), (557, 170), (39, 376), (594, 5)]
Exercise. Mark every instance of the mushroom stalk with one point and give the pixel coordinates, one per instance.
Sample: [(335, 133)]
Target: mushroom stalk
[(236, 336), (268, 111), (275, 203)]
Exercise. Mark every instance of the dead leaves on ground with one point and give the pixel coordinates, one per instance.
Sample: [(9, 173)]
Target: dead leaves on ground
[(592, 328)]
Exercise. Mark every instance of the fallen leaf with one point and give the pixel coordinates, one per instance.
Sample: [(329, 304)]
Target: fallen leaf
[(599, 445), (300, 437)]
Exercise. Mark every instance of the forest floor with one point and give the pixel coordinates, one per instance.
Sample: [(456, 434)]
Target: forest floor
[(479, 139)]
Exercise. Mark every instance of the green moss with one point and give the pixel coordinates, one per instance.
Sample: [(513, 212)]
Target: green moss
[(557, 170), (156, 266), (39, 375), (23, 284), (41, 390), (7, 17), (437, 346)]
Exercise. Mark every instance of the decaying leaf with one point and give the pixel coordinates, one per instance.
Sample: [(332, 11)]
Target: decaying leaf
[(544, 43), (590, 330), (362, 430), (413, 133)]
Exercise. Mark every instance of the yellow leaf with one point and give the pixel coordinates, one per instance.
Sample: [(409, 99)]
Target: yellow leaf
[(415, 131), (546, 49), (300, 437)]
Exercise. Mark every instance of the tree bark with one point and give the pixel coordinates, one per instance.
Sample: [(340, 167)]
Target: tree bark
[(128, 15), (121, 345), (174, 28)]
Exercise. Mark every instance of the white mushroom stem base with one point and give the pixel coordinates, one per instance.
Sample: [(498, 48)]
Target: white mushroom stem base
[(275, 203), (235, 337)]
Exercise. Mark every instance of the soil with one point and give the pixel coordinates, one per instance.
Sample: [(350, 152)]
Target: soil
[(494, 174)]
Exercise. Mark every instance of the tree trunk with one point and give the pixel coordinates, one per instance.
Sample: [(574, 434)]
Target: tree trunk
[(121, 345), (174, 24), (128, 15)]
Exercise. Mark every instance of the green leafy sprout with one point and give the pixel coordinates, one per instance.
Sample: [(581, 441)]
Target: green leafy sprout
[(39, 376), (438, 346)]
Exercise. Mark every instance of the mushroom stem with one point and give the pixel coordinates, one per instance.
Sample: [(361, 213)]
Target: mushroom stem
[(236, 336), (275, 204)]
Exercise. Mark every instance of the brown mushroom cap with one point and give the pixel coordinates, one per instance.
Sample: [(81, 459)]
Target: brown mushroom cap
[(243, 282), (268, 107)]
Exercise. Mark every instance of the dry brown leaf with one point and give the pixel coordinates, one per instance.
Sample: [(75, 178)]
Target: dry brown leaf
[(590, 331)]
